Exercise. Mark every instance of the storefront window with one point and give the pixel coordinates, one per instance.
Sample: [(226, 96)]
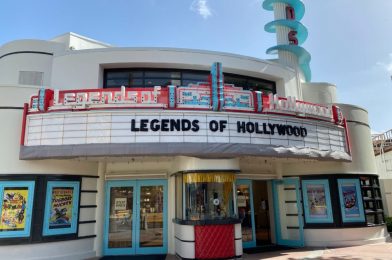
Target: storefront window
[(179, 196), (209, 196), (244, 205), (61, 208), (139, 77)]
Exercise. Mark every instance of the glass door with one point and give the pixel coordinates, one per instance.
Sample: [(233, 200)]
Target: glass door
[(288, 212), (135, 217), (246, 212), (120, 205), (151, 231)]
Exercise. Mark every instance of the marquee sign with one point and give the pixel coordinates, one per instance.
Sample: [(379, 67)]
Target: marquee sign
[(151, 128), (215, 96), (205, 113)]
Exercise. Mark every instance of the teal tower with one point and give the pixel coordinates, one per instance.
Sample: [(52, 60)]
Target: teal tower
[(290, 34)]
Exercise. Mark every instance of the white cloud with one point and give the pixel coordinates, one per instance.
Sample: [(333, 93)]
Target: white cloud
[(201, 7), (387, 66)]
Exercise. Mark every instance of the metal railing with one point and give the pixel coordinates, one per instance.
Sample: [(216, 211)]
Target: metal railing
[(382, 142)]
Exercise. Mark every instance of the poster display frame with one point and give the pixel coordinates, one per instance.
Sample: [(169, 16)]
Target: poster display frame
[(29, 207), (308, 216), (47, 231), (358, 194)]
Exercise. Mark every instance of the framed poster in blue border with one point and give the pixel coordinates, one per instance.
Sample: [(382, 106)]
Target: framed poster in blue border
[(61, 208), (317, 201), (351, 204), (16, 207)]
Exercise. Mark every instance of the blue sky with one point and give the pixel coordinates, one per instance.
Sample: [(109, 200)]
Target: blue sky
[(350, 40)]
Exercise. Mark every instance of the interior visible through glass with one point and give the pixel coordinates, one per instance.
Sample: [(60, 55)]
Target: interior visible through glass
[(151, 216), (149, 77), (120, 219), (244, 211), (209, 196)]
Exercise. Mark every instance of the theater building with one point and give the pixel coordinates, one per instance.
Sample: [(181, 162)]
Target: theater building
[(126, 151)]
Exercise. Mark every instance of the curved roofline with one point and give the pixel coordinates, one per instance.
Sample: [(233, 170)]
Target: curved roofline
[(28, 40), (199, 51), (351, 105)]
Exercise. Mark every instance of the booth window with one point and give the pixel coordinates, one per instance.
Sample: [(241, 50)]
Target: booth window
[(208, 196), (179, 196), (317, 201), (372, 201), (61, 208), (16, 208)]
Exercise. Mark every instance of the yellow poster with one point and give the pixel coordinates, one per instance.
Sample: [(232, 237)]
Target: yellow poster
[(61, 208), (13, 210)]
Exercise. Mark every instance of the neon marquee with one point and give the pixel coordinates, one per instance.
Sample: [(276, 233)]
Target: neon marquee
[(214, 95)]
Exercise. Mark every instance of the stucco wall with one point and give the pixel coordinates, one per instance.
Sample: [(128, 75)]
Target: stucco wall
[(84, 69)]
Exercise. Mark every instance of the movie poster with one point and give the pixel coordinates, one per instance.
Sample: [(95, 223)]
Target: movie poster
[(350, 200), (316, 201), (13, 210), (61, 207)]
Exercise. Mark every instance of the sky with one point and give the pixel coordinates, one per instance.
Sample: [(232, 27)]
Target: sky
[(350, 40)]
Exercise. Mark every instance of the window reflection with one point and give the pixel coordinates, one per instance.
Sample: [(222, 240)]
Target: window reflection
[(120, 220), (151, 216), (114, 78), (209, 196)]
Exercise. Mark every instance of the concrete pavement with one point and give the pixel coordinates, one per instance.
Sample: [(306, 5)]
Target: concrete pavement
[(382, 251)]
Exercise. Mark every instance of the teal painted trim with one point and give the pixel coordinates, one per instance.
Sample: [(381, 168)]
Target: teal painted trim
[(298, 6), (276, 199), (28, 210), (249, 183), (118, 251), (302, 32), (135, 248), (47, 231), (309, 219), (302, 54), (303, 57), (152, 250), (360, 217)]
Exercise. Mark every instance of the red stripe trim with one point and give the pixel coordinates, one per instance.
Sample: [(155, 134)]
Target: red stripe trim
[(25, 111), (347, 136)]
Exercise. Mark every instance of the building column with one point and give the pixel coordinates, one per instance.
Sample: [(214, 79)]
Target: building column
[(100, 210)]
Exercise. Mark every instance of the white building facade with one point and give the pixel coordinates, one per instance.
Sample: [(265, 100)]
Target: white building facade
[(124, 151), (382, 145)]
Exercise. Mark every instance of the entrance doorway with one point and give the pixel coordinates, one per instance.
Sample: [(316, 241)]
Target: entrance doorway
[(262, 215), (135, 217), (253, 209)]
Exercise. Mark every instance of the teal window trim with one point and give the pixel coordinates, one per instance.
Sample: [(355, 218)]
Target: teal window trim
[(152, 250), (360, 217), (123, 250), (308, 218), (135, 246), (47, 231), (28, 210)]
